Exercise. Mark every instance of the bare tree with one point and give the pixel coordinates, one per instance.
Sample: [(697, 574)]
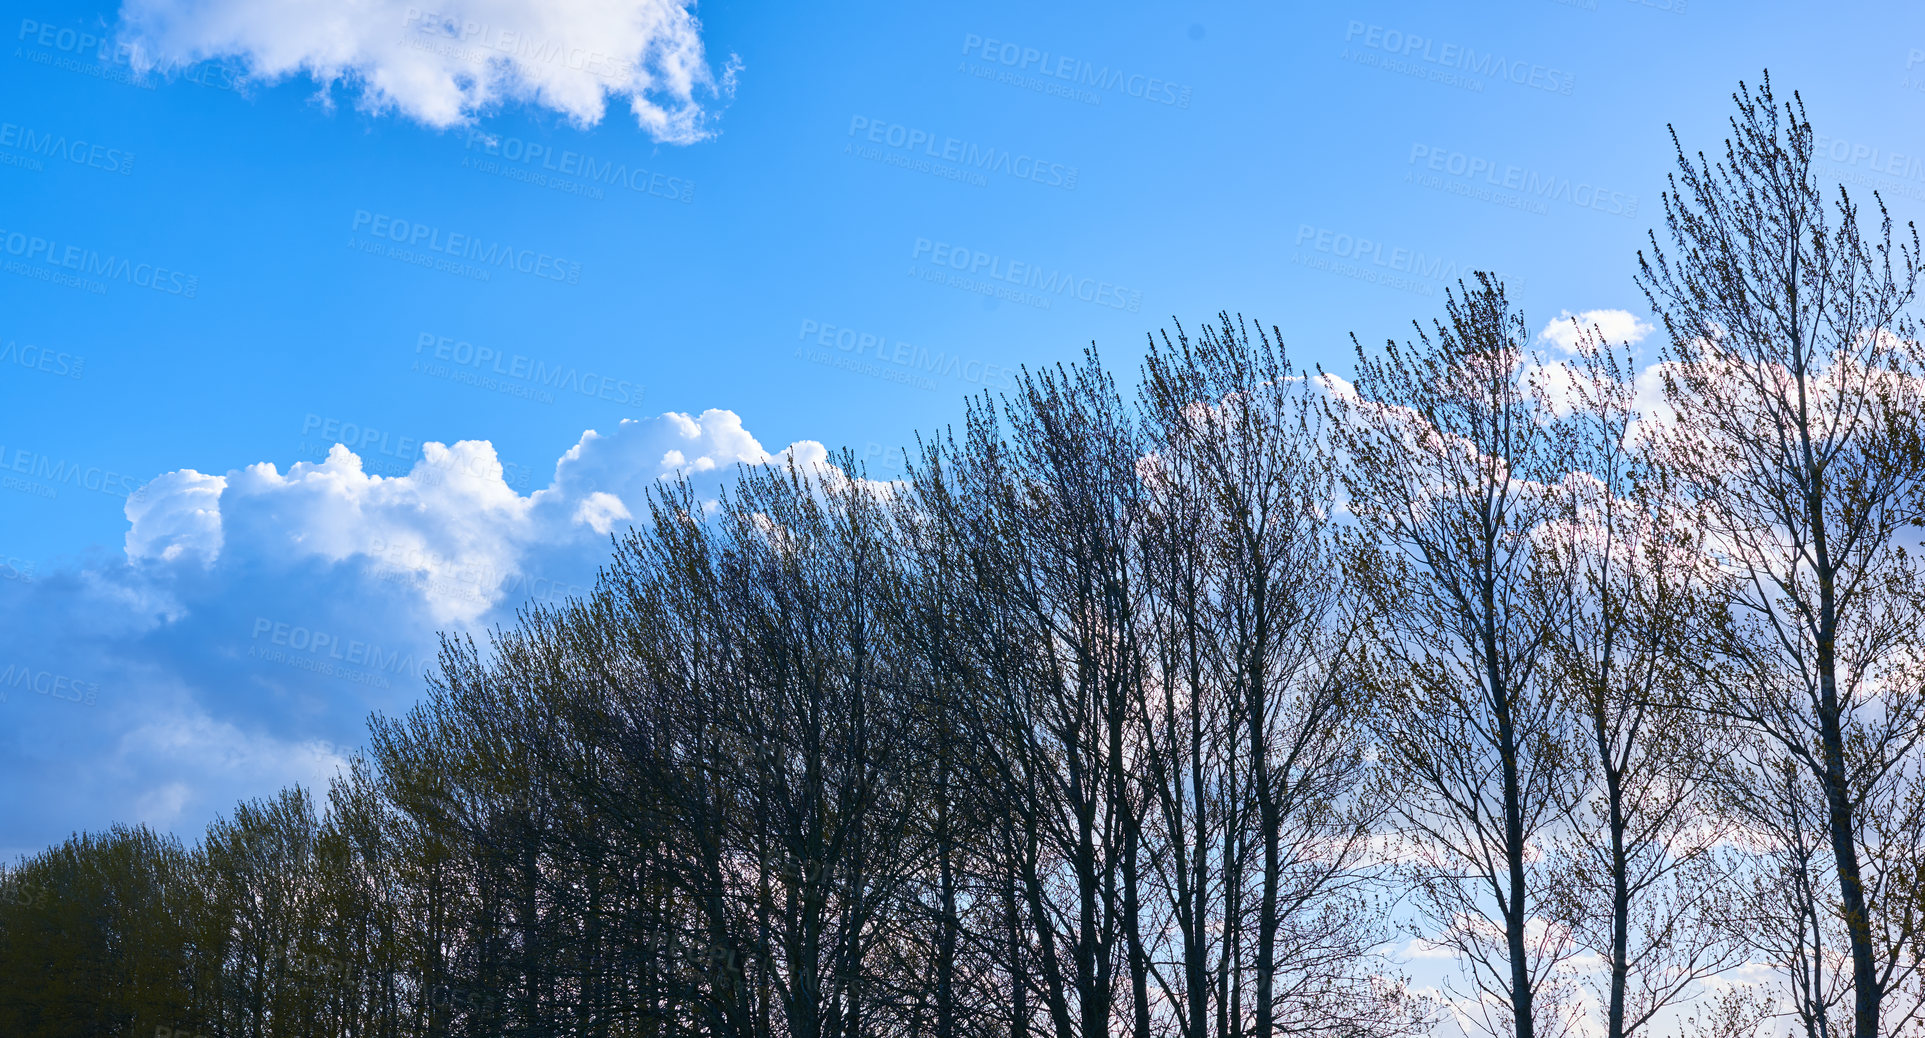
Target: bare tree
[(1795, 377), (1257, 765), (1643, 840), (1046, 509), (1452, 461)]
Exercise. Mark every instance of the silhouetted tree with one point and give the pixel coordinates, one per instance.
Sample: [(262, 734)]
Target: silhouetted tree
[(1796, 380), (1452, 458), (1644, 847)]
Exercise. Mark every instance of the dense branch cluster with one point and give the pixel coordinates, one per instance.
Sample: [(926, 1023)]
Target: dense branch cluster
[(1166, 714)]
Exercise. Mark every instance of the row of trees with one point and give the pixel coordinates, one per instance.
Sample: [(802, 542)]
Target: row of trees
[(1166, 714)]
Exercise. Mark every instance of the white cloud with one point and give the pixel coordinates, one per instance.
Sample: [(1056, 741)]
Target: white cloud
[(1617, 326), (160, 807), (451, 528), (257, 617), (599, 511), (442, 62), (176, 515)]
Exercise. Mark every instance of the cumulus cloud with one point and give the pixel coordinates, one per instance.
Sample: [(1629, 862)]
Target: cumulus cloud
[(177, 514), (257, 617), (1561, 378), (1616, 325), (442, 62), (600, 510)]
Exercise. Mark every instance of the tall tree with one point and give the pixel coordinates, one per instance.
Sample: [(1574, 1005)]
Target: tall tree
[(1452, 457), (1646, 852), (1256, 758), (93, 935), (1799, 442), (1047, 508)]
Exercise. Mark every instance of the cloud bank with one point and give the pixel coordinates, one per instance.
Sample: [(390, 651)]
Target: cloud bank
[(257, 617), (442, 62)]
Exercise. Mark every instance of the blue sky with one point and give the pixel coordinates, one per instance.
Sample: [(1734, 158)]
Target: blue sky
[(782, 227)]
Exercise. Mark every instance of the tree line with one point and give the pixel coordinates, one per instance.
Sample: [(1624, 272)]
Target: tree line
[(1165, 711)]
